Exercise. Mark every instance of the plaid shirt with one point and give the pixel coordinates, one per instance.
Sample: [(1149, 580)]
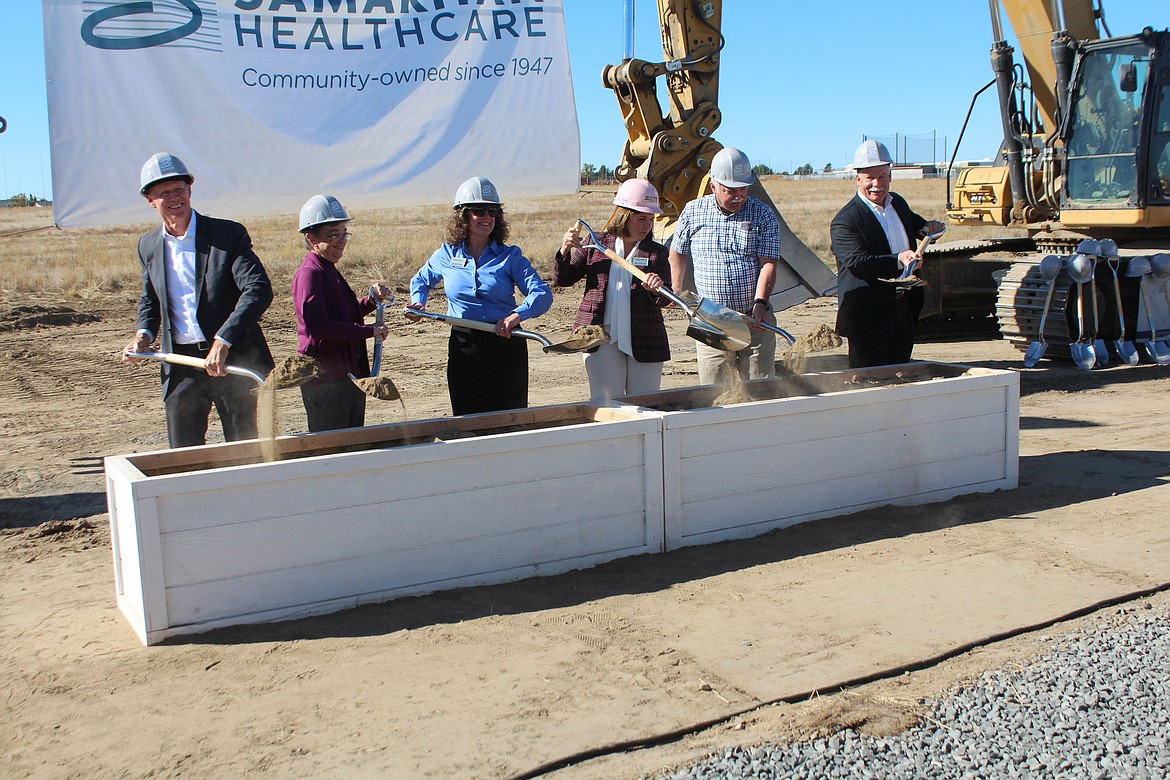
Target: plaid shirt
[(724, 248)]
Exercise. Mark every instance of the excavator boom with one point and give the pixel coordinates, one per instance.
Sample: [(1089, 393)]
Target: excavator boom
[(673, 148)]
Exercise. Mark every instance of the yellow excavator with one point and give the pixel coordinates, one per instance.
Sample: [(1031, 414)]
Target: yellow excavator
[(673, 148), (1085, 156)]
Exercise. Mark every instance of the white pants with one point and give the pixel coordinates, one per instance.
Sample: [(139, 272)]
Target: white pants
[(613, 373)]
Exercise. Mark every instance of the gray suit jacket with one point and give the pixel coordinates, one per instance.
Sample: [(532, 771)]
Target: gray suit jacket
[(232, 288)]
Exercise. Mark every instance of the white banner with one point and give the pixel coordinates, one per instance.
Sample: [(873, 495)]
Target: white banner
[(268, 102)]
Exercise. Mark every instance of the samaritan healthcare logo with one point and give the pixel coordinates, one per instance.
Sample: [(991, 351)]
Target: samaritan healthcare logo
[(146, 24)]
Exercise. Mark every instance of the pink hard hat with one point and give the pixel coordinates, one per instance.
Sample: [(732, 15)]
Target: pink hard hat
[(637, 195)]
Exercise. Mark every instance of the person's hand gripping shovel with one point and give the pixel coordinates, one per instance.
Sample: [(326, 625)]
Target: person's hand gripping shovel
[(714, 325)]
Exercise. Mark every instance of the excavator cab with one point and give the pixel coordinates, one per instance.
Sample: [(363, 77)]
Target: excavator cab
[(1114, 136)]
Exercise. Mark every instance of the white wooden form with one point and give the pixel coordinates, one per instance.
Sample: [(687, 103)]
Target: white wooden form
[(210, 536), (196, 550), (740, 471)]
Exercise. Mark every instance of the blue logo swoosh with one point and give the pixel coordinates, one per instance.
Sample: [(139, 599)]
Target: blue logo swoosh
[(91, 37)]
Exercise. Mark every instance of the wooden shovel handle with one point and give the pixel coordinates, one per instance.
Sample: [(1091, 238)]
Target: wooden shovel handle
[(185, 360), (638, 273)]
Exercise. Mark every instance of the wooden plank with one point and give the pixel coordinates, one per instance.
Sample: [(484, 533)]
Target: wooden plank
[(839, 424), (872, 453), (124, 541), (259, 471), (391, 434), (653, 474), (780, 505), (354, 533), (355, 480), (494, 559)]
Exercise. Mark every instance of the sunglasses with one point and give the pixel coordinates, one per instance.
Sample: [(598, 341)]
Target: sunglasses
[(484, 211)]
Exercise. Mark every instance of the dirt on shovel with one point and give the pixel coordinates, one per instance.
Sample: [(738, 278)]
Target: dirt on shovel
[(380, 387)]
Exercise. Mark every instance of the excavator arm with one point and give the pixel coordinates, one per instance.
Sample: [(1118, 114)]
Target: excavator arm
[(673, 148)]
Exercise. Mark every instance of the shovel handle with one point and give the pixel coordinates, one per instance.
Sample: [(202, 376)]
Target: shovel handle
[(193, 362), (486, 327), (635, 271)]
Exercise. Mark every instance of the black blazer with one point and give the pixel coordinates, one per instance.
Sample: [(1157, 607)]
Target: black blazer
[(863, 256), (231, 284)]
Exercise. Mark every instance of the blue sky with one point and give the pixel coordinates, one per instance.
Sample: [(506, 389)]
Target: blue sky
[(800, 82)]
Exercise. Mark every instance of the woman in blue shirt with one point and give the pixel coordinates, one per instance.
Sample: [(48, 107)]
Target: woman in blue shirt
[(486, 372)]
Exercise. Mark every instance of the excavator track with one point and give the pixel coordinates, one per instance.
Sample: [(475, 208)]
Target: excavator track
[(961, 291), (1019, 307)]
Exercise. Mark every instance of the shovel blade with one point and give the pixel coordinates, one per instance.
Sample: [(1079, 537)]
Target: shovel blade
[(713, 337), (1159, 352), (1101, 352), (1127, 352), (1035, 351), (1083, 355), (572, 346)]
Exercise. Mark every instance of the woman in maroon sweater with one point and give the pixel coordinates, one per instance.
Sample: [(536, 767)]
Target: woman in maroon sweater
[(630, 312), (331, 320)]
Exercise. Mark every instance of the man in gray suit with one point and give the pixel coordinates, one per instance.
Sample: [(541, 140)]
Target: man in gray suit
[(203, 292)]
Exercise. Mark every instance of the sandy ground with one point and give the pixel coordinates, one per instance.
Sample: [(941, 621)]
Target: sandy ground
[(501, 681)]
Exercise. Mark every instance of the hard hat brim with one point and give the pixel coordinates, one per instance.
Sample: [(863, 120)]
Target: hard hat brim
[(307, 228), (183, 176)]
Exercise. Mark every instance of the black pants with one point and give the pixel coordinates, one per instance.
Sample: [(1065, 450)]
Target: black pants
[(885, 346), (333, 405), (192, 393), (486, 373)]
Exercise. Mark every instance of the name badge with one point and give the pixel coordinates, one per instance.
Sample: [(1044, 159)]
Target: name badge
[(460, 262), (640, 262)]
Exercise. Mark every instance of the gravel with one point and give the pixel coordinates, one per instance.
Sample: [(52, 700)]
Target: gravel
[(1096, 706)]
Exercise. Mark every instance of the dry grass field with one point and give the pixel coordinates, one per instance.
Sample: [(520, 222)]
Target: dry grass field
[(388, 244)]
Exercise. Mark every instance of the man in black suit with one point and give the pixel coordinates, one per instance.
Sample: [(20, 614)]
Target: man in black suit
[(203, 291), (873, 238)]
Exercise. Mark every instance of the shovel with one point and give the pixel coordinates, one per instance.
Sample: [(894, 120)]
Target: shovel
[(380, 387), (1080, 268), (1125, 348), (1095, 249), (1050, 268), (1160, 268), (568, 347), (1157, 350), (193, 362), (907, 277), (714, 325)]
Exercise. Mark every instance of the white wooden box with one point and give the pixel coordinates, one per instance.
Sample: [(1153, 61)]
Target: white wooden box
[(212, 536), (822, 445)]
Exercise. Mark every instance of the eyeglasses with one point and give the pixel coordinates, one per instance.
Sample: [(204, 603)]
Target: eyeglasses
[(329, 238), (484, 211)]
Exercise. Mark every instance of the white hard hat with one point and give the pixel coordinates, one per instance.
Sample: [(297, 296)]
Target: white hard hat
[(637, 195), (871, 154), (161, 167), (732, 168), (321, 210), (476, 191)]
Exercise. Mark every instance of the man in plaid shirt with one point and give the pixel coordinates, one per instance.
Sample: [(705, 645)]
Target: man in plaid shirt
[(733, 243)]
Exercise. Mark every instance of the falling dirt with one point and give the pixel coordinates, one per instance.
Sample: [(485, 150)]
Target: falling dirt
[(293, 371), (268, 416), (822, 339)]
